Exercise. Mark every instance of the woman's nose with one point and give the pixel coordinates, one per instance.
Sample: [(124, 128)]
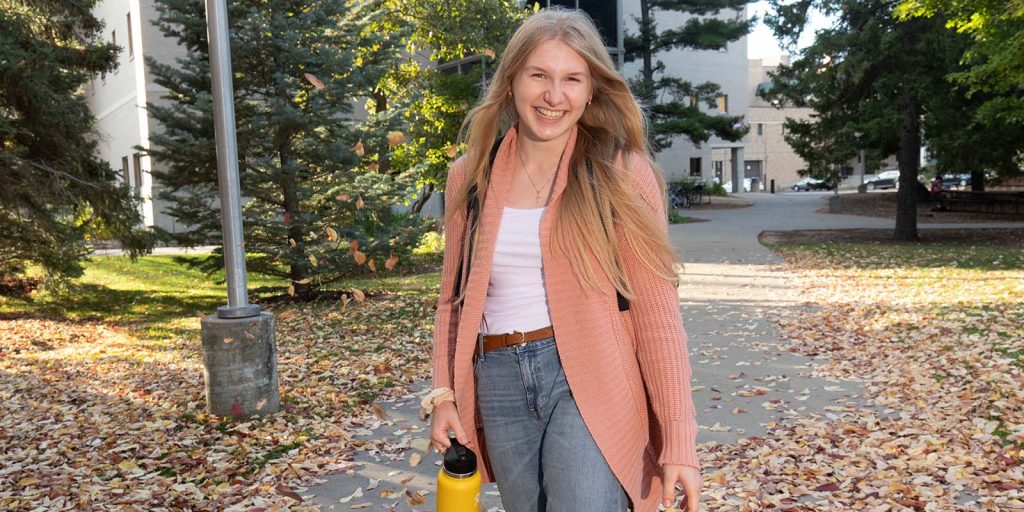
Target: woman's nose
[(553, 94)]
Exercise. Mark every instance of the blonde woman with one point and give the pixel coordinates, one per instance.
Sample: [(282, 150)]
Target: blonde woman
[(559, 353)]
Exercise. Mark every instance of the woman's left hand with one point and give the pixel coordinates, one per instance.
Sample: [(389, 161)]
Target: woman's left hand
[(690, 478)]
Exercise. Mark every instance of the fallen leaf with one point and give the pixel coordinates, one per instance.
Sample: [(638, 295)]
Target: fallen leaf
[(332, 235), (395, 138), (414, 497), (379, 412), (355, 494), (358, 148), (391, 262), (359, 257), (284, 490), (314, 80), (414, 459)]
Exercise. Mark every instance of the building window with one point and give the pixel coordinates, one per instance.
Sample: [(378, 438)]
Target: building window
[(131, 45), (760, 129), (137, 161), (723, 103), (695, 166), (717, 165), (125, 170)]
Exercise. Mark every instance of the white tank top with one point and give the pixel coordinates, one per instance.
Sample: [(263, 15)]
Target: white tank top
[(516, 297)]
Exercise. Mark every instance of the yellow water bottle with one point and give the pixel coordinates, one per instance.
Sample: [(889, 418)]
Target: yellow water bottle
[(458, 482)]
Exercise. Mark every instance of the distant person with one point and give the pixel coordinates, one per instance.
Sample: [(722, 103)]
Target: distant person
[(936, 194), (558, 317)]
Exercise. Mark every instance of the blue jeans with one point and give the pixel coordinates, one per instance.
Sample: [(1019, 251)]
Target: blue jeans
[(543, 457)]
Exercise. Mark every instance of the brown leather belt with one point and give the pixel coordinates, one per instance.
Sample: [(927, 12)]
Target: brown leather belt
[(496, 341)]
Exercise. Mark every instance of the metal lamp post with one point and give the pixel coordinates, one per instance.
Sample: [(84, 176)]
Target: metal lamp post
[(239, 356)]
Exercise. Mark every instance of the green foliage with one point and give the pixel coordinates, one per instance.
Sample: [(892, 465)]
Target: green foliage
[(877, 83), (991, 80), (673, 104), (996, 29), (319, 185), (859, 75), (55, 189), (716, 189), (432, 243), (675, 218), (431, 104)]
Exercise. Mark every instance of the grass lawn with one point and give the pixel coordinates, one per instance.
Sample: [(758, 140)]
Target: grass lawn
[(104, 398), (157, 297)]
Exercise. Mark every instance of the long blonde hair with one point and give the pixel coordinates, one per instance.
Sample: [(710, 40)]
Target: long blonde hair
[(591, 208)]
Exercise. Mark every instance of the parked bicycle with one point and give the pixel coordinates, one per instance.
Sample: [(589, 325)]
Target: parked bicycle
[(686, 194)]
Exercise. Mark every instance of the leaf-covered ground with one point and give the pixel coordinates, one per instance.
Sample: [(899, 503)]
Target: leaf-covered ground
[(937, 333), (104, 408), (109, 414)]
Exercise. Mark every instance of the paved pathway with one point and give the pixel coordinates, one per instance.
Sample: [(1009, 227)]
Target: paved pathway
[(731, 287)]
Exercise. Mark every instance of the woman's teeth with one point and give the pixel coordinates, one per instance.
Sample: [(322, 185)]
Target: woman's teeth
[(550, 114)]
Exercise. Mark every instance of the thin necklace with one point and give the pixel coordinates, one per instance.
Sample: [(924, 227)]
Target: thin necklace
[(527, 171)]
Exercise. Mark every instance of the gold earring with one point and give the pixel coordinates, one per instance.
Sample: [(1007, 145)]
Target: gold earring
[(590, 101)]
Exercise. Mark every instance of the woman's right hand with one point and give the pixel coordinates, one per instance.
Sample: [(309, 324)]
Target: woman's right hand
[(445, 418)]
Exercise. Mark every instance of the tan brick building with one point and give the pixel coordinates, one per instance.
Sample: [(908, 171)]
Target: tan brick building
[(768, 156)]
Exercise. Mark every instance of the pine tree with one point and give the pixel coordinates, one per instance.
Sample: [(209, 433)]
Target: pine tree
[(318, 203), (56, 192), (673, 102)]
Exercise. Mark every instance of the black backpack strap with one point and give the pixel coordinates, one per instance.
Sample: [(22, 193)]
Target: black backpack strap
[(621, 300), (472, 211)]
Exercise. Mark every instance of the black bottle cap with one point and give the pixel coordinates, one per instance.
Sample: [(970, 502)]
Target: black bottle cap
[(459, 461)]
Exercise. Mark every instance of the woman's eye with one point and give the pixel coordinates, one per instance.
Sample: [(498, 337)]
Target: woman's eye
[(538, 75)]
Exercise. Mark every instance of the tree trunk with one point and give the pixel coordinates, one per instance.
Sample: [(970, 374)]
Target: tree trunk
[(381, 105), (646, 41), (422, 201), (909, 153), (298, 260), (909, 158), (289, 183)]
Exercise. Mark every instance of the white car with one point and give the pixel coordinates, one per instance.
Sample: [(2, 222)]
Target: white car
[(746, 185), (893, 174)]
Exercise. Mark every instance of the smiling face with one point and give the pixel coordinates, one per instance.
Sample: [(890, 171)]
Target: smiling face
[(551, 91)]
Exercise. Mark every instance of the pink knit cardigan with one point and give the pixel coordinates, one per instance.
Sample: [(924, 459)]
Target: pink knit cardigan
[(629, 371)]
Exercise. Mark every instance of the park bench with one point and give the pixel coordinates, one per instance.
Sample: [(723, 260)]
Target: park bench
[(982, 202)]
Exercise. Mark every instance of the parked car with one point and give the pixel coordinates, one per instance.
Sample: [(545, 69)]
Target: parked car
[(880, 184), (809, 184), (893, 174), (959, 181)]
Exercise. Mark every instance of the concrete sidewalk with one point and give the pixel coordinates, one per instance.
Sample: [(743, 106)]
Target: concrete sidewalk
[(731, 289)]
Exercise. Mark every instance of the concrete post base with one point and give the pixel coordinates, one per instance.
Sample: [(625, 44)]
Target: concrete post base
[(240, 362)]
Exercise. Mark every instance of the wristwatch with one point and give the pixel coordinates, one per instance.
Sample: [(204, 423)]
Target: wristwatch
[(433, 398)]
